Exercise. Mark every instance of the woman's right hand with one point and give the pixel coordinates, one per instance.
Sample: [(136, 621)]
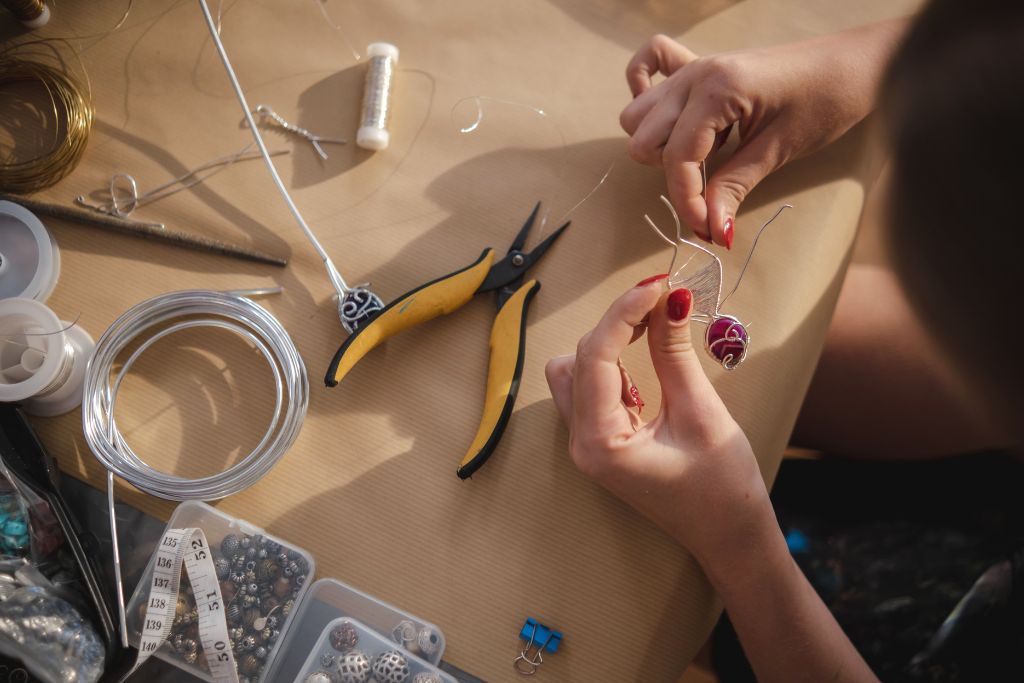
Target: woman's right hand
[(788, 101)]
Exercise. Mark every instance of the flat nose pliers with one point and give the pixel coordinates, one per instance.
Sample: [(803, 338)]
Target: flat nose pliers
[(508, 333)]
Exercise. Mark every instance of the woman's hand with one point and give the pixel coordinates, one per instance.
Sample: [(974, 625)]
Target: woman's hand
[(690, 469), (788, 101)]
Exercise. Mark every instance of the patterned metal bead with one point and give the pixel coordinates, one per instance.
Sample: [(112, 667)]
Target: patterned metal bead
[(261, 554), (250, 600), (250, 572), (248, 643), (344, 637), (252, 589), (428, 641), (273, 547), (291, 569), (190, 657), (223, 567), (319, 677), (266, 634), (282, 559), (250, 554), (261, 652), (267, 571), (391, 667), (327, 660), (234, 614), (354, 668), (248, 664), (237, 578), (245, 542), (300, 580), (236, 634), (229, 545), (274, 634), (426, 677), (286, 609)]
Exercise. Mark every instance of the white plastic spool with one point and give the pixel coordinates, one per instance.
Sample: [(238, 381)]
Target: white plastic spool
[(42, 364), (29, 258)]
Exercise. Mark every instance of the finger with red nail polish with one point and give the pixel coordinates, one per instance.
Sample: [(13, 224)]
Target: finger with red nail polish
[(678, 304)]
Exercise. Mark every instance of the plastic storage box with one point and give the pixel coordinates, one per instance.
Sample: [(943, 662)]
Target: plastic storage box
[(283, 574), (330, 599), (347, 651)]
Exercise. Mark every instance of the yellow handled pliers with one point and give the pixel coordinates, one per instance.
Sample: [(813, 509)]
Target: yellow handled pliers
[(449, 293)]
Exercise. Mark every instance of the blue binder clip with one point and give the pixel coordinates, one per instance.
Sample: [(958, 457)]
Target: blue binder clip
[(539, 639)]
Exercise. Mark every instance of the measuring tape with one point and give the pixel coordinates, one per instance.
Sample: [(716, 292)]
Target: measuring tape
[(188, 547)]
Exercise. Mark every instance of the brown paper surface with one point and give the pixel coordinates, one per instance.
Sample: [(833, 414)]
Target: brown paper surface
[(370, 485)]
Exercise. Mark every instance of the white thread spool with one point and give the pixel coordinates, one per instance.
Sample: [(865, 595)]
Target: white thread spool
[(373, 125), (41, 363), (29, 258)]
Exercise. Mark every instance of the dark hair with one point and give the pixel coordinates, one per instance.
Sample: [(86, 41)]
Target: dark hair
[(953, 101)]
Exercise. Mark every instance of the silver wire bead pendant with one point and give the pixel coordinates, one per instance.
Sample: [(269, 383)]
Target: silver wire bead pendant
[(426, 677), (344, 637), (319, 677), (391, 667), (354, 668), (357, 307)]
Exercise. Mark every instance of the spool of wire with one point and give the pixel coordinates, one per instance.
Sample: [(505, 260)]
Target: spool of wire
[(72, 117), (32, 13), (148, 322), (373, 125), (42, 359)]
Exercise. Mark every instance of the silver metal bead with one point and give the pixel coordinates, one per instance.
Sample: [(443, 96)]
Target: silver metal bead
[(319, 677), (229, 545), (391, 667), (426, 677), (428, 641), (354, 668), (327, 660), (223, 567)]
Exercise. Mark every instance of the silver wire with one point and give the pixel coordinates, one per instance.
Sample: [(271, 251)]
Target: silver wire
[(750, 253), (153, 320), (339, 284), (123, 207), (705, 285), (377, 93), (267, 112)]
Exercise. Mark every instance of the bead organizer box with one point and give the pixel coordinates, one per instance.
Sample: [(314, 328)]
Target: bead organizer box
[(329, 600), (261, 579), (347, 651)]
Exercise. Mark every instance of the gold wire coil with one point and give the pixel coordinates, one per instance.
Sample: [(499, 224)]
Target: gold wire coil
[(25, 10), (72, 120)]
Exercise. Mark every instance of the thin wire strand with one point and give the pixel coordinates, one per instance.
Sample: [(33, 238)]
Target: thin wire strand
[(750, 253), (339, 284)]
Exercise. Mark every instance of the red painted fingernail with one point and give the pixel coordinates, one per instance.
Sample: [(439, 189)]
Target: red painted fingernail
[(728, 232), (679, 301), (651, 279), (637, 401)]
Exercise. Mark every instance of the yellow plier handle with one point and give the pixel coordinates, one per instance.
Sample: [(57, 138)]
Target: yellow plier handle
[(504, 372), (439, 297)]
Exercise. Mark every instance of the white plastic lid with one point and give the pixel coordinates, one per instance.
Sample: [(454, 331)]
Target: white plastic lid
[(382, 50), (29, 258), (371, 138)]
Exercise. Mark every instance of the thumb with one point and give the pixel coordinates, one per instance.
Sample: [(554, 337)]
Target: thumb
[(672, 349), (730, 185)]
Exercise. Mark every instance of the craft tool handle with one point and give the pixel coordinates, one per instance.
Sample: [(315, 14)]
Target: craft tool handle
[(505, 370), (439, 297)]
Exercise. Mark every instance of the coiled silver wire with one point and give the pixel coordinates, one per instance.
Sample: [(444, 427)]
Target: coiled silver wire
[(194, 308)]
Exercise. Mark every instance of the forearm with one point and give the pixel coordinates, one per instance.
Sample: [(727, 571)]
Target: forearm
[(786, 630)]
